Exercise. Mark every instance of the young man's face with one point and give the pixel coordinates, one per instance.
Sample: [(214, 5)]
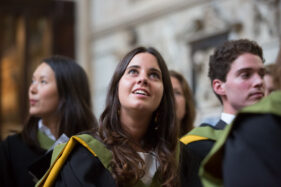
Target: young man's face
[(244, 83)]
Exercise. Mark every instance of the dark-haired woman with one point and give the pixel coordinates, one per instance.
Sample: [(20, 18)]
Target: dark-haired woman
[(137, 141), (185, 107), (59, 103)]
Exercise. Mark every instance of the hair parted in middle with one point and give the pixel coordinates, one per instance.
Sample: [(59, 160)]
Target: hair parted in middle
[(161, 136)]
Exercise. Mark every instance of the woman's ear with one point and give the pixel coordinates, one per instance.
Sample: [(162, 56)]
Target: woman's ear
[(218, 87)]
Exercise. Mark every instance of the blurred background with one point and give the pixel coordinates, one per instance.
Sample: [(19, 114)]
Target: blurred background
[(97, 33)]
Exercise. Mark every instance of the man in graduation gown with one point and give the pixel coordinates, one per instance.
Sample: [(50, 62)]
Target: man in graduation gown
[(236, 72), (248, 152)]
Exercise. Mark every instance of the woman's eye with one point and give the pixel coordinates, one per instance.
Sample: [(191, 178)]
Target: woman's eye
[(132, 71), (32, 82), (177, 93), (154, 76), (43, 82)]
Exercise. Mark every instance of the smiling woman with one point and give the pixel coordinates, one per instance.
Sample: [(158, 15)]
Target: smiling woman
[(60, 103), (141, 86), (137, 141)]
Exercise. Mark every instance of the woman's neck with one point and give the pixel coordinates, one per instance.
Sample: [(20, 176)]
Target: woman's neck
[(135, 124), (52, 124)]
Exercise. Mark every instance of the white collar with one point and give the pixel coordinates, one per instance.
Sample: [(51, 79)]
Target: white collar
[(44, 129), (227, 118), (151, 165)]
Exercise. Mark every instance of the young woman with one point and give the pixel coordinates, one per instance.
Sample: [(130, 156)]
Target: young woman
[(185, 107), (137, 141), (59, 103)]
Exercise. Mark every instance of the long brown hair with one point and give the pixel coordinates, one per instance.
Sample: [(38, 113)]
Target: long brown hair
[(75, 104), (186, 124), (163, 141)]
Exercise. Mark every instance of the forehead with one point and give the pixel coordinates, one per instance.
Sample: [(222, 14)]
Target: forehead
[(43, 70), (144, 60), (175, 82), (246, 61)]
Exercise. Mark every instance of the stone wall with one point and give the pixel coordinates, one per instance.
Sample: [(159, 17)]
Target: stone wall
[(184, 31)]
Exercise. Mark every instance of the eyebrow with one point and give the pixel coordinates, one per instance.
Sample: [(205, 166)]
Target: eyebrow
[(138, 67), (133, 66), (40, 77), (243, 70), (249, 69)]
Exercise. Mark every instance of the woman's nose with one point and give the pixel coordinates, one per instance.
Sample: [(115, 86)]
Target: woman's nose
[(142, 79), (33, 87)]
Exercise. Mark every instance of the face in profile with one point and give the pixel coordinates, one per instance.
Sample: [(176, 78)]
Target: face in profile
[(43, 92), (141, 86), (244, 83), (179, 98)]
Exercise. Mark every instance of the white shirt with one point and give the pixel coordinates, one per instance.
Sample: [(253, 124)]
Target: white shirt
[(227, 118), (151, 165), (45, 130)]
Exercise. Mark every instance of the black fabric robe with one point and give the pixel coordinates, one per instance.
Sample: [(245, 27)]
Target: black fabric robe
[(15, 158), (193, 154)]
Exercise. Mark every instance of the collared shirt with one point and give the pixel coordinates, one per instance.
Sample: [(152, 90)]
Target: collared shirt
[(45, 130), (151, 165), (227, 118)]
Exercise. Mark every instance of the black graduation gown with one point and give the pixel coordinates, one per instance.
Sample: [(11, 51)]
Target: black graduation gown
[(193, 152), (248, 153), (15, 158), (83, 161)]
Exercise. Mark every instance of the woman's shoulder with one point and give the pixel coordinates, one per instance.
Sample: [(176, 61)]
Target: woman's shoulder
[(81, 167), (95, 146), (14, 139), (83, 152), (90, 143)]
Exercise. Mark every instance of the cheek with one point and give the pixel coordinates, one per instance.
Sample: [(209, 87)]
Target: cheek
[(160, 91), (51, 97), (181, 103), (158, 94), (238, 86), (245, 85), (123, 91), (124, 85), (178, 101), (180, 107), (121, 88)]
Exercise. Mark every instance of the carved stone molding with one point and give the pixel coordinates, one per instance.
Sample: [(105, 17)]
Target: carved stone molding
[(140, 17)]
